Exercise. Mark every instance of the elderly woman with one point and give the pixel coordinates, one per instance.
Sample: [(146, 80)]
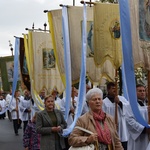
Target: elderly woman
[(101, 124), (50, 123)]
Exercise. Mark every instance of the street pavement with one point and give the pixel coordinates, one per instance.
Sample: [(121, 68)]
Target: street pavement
[(8, 139)]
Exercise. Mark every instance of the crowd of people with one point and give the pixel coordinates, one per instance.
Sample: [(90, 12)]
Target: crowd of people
[(110, 120)]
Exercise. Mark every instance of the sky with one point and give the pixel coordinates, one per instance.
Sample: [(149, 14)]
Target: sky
[(16, 15)]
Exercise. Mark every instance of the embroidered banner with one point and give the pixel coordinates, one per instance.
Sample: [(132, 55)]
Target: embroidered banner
[(75, 21), (144, 19), (107, 41), (45, 70)]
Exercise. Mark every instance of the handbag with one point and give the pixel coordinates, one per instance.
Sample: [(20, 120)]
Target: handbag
[(87, 147)]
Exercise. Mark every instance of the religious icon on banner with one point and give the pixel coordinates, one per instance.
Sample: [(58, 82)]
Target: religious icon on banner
[(147, 18), (48, 59), (25, 68), (90, 49), (115, 29), (10, 71)]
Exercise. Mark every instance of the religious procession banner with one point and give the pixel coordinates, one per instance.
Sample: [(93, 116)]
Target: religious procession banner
[(75, 18), (134, 19), (23, 66), (44, 69), (144, 31), (55, 24), (144, 19), (139, 12), (29, 59), (107, 41), (7, 68)]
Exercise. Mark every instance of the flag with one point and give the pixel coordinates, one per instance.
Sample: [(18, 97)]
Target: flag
[(75, 14), (55, 23), (45, 70), (107, 41), (144, 19), (23, 66)]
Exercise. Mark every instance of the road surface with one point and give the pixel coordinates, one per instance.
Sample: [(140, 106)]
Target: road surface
[(8, 139)]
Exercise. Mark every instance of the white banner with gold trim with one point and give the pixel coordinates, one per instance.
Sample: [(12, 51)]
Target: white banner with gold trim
[(45, 70), (75, 17)]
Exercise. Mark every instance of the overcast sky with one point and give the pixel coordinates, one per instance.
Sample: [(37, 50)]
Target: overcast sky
[(16, 15)]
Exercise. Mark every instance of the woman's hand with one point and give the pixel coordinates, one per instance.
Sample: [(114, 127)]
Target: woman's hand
[(56, 129), (92, 138)]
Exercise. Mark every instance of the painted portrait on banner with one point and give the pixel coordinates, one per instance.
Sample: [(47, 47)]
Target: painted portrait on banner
[(10, 71), (25, 68), (144, 19), (115, 29), (48, 59), (90, 49)]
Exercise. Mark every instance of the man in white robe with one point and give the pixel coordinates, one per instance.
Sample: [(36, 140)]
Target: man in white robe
[(57, 99), (109, 107), (25, 108), (138, 134)]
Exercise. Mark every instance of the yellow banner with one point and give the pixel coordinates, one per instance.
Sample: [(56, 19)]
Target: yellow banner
[(75, 18), (107, 40)]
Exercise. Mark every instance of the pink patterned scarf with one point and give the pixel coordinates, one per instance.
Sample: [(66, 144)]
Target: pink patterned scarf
[(102, 129)]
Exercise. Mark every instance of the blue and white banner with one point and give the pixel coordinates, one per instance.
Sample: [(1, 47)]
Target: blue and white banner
[(82, 85), (128, 60)]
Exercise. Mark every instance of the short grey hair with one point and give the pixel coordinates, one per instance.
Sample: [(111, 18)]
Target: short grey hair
[(92, 92)]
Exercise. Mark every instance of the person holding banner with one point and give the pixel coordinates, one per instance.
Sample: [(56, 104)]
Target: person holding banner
[(138, 134), (25, 108), (15, 112), (99, 123), (109, 107), (8, 100)]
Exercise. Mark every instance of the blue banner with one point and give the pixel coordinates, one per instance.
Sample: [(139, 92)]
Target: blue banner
[(66, 59), (82, 85), (128, 60)]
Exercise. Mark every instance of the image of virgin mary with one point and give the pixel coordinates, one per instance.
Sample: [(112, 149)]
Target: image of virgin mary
[(147, 19)]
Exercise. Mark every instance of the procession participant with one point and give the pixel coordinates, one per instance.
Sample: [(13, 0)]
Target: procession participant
[(72, 106), (2, 106), (35, 108), (57, 99), (15, 112), (31, 139), (138, 134), (42, 94), (8, 100), (25, 108), (101, 124), (85, 106), (50, 123), (109, 108)]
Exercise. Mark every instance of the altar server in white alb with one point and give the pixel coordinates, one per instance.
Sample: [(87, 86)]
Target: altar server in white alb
[(2, 107), (138, 134), (25, 108), (57, 99), (72, 106), (109, 108), (15, 112), (8, 100)]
